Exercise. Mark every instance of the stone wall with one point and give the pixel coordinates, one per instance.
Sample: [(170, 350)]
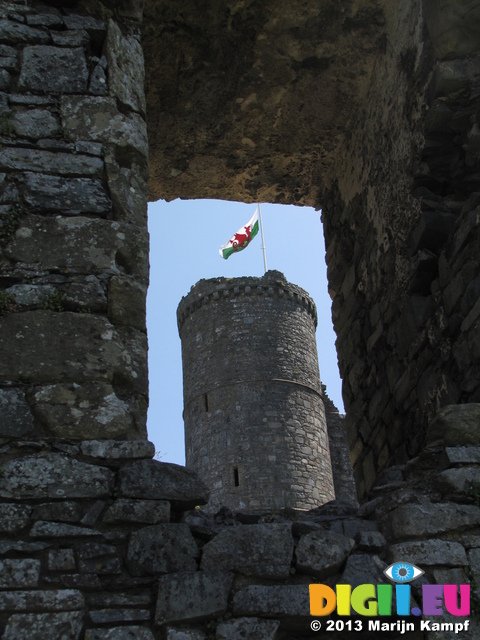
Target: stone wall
[(255, 428), (402, 231), (73, 238)]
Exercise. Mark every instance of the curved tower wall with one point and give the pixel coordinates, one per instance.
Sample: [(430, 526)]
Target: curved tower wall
[(255, 427)]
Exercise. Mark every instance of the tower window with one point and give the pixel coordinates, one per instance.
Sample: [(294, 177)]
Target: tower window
[(236, 480)]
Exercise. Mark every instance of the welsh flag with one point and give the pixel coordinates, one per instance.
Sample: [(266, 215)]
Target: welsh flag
[(241, 239)]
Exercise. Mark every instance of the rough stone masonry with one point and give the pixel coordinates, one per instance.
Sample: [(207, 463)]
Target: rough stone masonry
[(368, 110)]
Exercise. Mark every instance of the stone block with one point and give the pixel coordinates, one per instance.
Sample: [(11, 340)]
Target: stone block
[(462, 455), (273, 601), (363, 569), (114, 616), (16, 418), (263, 550), (456, 425), (117, 449), (70, 196), (98, 119), (48, 69), (35, 124), (458, 480), (126, 302), (127, 186), (162, 548), (77, 38), (51, 600), (185, 634), (155, 480), (80, 244), (429, 552), (370, 541), (53, 475), (82, 411), (18, 33), (139, 511), (43, 529), (61, 560), (195, 596), (40, 161), (13, 518), (251, 628), (19, 574), (322, 553), (37, 626), (120, 633), (26, 346), (65, 511), (427, 519), (125, 68)]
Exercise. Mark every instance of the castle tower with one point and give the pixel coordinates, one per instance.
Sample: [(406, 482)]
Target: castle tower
[(255, 428)]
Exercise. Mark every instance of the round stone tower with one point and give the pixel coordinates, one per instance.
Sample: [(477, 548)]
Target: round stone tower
[(255, 429)]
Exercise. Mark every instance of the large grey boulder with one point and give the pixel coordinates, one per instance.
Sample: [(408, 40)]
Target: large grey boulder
[(456, 425), (263, 550), (156, 480), (322, 553), (162, 548)]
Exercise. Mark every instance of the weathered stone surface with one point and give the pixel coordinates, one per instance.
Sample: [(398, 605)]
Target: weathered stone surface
[(16, 418), (22, 547), (278, 601), (87, 348), (128, 186), (112, 616), (126, 302), (52, 69), (162, 548), (363, 569), (65, 511), (322, 553), (91, 24), (453, 27), (98, 80), (185, 634), (427, 519), (120, 633), (456, 425), (19, 574), (22, 159), (462, 455), (77, 38), (251, 628), (61, 560), (429, 552), (370, 541), (43, 529), (13, 517), (192, 596), (17, 33), (52, 600), (66, 243), (35, 123), (458, 480), (82, 411), (263, 550), (474, 564), (117, 449), (141, 511), (71, 196), (125, 68), (53, 475), (37, 626), (98, 119), (162, 481)]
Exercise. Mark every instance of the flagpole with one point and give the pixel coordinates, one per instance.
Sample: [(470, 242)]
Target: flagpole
[(263, 239)]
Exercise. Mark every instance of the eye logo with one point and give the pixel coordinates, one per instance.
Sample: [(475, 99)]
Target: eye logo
[(402, 572)]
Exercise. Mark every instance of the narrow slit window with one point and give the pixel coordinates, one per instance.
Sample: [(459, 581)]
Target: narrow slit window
[(205, 400), (236, 479)]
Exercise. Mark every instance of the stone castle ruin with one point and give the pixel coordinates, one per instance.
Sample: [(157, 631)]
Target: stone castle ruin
[(366, 109)]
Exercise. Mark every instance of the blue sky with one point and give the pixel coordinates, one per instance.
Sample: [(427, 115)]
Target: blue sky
[(185, 236)]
